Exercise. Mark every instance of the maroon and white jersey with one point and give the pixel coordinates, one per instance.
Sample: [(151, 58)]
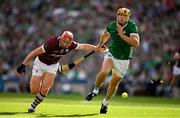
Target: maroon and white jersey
[(53, 51)]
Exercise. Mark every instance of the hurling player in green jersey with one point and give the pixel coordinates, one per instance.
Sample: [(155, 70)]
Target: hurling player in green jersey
[(124, 37)]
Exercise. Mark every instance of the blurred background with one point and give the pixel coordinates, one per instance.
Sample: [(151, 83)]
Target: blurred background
[(27, 24)]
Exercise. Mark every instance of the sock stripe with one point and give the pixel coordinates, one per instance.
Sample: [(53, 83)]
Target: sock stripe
[(35, 103), (41, 97), (37, 98), (33, 106), (41, 94)]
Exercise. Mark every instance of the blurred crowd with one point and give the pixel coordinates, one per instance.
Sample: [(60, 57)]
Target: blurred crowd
[(27, 24)]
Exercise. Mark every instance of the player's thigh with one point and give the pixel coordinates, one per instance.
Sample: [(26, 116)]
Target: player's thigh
[(48, 80), (107, 65), (120, 67), (115, 79), (35, 82)]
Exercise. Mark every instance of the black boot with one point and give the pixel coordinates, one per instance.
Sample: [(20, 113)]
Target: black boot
[(103, 109), (90, 96)]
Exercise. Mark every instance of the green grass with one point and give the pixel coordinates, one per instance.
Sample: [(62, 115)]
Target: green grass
[(74, 106)]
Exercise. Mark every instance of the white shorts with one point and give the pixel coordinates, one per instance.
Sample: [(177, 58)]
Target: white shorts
[(39, 68), (120, 66), (176, 70)]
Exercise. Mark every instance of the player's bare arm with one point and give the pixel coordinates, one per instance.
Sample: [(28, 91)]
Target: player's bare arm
[(89, 47), (33, 54), (85, 46), (103, 39), (133, 40)]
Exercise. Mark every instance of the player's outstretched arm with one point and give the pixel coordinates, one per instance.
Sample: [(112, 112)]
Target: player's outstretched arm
[(30, 56), (90, 47), (85, 46)]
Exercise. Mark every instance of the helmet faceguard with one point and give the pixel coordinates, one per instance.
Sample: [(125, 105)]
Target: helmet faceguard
[(124, 14)]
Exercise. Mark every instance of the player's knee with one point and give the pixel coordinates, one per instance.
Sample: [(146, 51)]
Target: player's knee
[(33, 92), (44, 91), (34, 89)]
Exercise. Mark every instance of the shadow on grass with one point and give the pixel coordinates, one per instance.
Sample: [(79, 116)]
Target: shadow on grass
[(12, 113), (70, 115), (49, 115)]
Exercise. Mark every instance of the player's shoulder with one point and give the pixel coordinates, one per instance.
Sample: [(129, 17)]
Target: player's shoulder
[(112, 24), (131, 22), (52, 39), (52, 42), (74, 45)]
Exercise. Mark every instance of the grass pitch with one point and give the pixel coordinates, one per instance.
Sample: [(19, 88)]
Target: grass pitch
[(74, 106)]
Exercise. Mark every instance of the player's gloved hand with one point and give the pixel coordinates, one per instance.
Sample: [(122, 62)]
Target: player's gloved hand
[(21, 69)]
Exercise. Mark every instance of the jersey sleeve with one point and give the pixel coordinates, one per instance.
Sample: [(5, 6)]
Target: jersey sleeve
[(133, 28), (43, 48), (77, 46), (74, 45)]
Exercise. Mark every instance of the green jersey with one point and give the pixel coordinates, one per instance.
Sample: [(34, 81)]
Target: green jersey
[(118, 47)]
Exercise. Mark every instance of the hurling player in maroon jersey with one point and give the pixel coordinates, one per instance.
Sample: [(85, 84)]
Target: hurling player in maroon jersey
[(46, 64)]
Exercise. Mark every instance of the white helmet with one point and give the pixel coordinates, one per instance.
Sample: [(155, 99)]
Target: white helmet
[(67, 34)]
